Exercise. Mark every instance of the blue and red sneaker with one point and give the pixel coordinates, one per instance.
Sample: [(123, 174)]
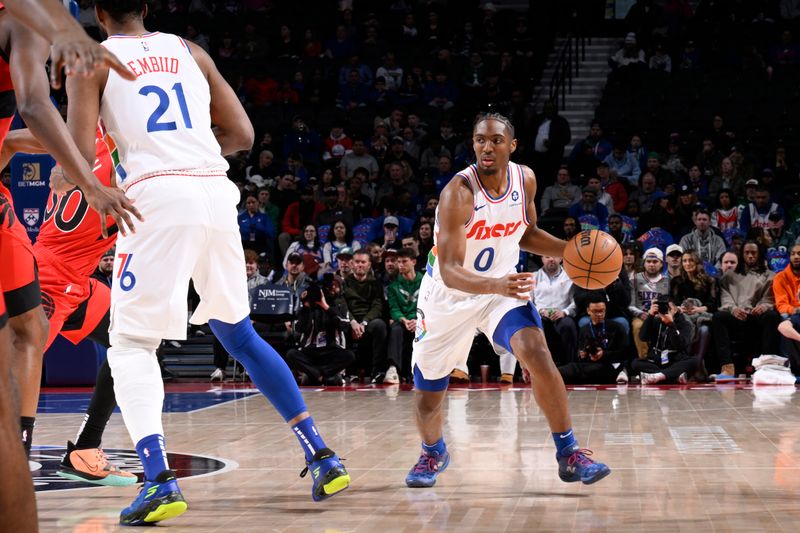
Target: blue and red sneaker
[(157, 500), (578, 467), (429, 465)]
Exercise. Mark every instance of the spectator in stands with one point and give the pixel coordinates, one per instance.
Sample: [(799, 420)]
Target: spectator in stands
[(341, 46), (615, 229), (776, 239), (600, 146), (105, 269), (440, 92), (294, 165), (354, 63), (340, 237), (726, 178), (582, 161), (647, 194), (402, 298), (309, 247), (630, 55), (294, 276), (698, 182), (647, 287), (389, 272), (638, 151), (335, 208), (570, 228), (632, 259), (411, 242), (358, 158), (667, 334), (710, 160), (354, 93), (707, 244), (411, 143), (602, 342), (364, 297), (396, 184), (264, 171), (552, 135), (359, 203), (299, 214), (674, 259), (727, 215), (284, 193), (684, 211), (337, 145), (303, 140), (444, 173), (429, 160), (695, 292), (756, 214), (783, 167), (774, 187), (786, 52), (674, 162), (617, 296), (345, 262), (786, 285), (397, 153), (562, 194), (729, 261), (746, 306), (390, 238), (425, 234), (611, 185), (255, 227), (391, 72), (552, 293), (603, 197), (660, 60), (654, 167), (266, 207), (661, 215), (622, 165), (254, 277), (321, 355), (790, 330), (589, 206)]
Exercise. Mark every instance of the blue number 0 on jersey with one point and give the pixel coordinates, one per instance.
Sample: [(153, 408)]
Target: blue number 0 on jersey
[(153, 123)]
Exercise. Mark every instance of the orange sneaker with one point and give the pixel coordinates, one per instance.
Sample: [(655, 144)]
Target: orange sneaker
[(507, 379), (459, 376), (91, 465)]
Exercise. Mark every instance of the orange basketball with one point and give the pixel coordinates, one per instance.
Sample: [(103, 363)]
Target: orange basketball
[(592, 259)]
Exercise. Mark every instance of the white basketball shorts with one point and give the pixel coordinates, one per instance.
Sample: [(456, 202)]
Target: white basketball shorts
[(447, 320), (190, 231)]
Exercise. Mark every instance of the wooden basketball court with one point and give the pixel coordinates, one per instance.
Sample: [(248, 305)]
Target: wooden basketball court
[(696, 458)]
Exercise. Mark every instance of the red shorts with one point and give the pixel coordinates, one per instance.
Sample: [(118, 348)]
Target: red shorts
[(74, 305), (18, 273)]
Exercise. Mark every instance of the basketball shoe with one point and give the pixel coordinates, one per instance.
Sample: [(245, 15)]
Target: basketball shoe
[(92, 465), (429, 465), (157, 500), (328, 474), (578, 467)]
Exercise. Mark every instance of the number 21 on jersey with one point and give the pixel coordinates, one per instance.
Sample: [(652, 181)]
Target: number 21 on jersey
[(164, 101)]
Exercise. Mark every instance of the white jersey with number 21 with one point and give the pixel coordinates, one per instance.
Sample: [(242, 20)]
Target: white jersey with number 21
[(159, 125)]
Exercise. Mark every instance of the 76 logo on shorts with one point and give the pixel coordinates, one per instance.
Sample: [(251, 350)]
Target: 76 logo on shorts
[(126, 278)]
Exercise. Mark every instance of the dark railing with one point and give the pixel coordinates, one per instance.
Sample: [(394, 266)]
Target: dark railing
[(572, 52)]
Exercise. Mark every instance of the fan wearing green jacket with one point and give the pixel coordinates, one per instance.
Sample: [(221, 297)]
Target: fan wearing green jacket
[(402, 296)]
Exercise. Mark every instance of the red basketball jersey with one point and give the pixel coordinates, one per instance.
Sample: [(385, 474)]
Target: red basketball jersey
[(8, 104), (71, 229)]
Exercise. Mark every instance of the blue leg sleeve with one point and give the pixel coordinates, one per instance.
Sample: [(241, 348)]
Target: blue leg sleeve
[(266, 367)]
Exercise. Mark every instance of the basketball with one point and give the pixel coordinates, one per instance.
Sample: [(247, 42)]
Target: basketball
[(592, 259)]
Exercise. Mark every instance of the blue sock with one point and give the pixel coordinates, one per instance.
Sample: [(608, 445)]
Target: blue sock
[(266, 367), (438, 447), (310, 439), (565, 442), (153, 455)]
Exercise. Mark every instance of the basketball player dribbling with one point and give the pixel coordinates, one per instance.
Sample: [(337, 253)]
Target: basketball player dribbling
[(170, 161), (486, 214)]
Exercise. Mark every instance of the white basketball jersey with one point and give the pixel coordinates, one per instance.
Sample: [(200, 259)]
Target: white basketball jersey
[(495, 228), (159, 124)]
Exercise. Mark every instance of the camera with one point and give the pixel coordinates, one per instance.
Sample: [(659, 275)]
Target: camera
[(593, 345), (663, 306), (313, 294)]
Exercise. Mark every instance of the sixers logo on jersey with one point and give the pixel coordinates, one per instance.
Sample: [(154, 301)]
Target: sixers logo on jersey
[(481, 231)]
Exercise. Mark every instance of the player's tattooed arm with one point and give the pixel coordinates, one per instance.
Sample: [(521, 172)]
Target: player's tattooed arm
[(232, 126), (535, 239)]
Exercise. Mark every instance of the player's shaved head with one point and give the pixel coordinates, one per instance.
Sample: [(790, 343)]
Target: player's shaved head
[(122, 10)]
